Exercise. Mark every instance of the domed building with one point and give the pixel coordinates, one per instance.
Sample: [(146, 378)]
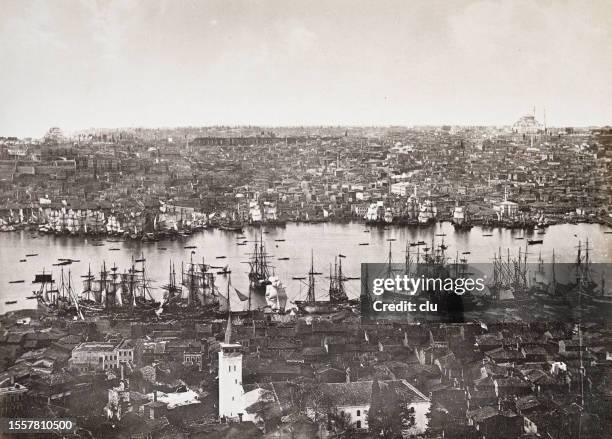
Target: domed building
[(54, 135), (527, 125)]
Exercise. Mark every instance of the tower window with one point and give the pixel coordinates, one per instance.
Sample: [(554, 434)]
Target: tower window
[(358, 412), (229, 368)]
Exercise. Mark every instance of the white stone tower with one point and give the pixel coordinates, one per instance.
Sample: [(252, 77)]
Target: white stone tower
[(230, 376)]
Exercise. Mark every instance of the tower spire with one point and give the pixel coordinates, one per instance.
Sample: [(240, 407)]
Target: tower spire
[(228, 329)]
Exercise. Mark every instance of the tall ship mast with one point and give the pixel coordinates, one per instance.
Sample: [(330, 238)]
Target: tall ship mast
[(311, 305), (53, 300), (337, 292), (585, 288), (259, 274), (200, 286), (47, 294), (173, 290)]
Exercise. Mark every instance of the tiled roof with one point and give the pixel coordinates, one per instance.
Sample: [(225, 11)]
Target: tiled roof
[(349, 394), (482, 414)]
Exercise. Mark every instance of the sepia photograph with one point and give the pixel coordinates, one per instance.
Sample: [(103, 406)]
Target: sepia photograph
[(309, 219)]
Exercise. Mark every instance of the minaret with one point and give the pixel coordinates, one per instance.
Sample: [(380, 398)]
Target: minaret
[(230, 374)]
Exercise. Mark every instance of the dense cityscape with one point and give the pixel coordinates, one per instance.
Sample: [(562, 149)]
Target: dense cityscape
[(141, 182), (322, 219), (121, 362)]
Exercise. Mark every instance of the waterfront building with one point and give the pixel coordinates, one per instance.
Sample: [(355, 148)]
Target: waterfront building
[(402, 188), (101, 355)]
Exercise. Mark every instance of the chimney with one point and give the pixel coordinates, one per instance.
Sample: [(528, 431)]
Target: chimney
[(155, 395), (240, 417)]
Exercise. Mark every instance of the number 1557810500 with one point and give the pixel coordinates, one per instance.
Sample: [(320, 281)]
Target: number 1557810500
[(31, 425)]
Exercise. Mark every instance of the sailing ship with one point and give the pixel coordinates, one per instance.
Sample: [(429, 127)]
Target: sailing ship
[(259, 274), (584, 288), (255, 215), (116, 291), (378, 215), (461, 219), (336, 292), (511, 283), (54, 300), (270, 215), (201, 289), (432, 263), (427, 212)]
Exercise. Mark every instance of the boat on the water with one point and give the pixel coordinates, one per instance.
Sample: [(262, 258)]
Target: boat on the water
[(534, 241), (17, 281), (461, 220), (336, 293), (10, 302)]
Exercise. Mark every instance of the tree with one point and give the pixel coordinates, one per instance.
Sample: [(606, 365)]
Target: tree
[(341, 424), (389, 415), (306, 396)]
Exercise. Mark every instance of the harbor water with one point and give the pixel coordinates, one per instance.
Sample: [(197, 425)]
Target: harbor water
[(289, 249)]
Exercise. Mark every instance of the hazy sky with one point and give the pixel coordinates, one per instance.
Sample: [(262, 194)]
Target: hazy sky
[(79, 64)]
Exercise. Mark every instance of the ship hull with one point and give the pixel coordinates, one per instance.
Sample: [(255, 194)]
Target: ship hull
[(317, 307)]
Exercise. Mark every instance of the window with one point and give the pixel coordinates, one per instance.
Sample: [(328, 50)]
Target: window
[(358, 423), (358, 412), (229, 368), (236, 381), (234, 368)]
